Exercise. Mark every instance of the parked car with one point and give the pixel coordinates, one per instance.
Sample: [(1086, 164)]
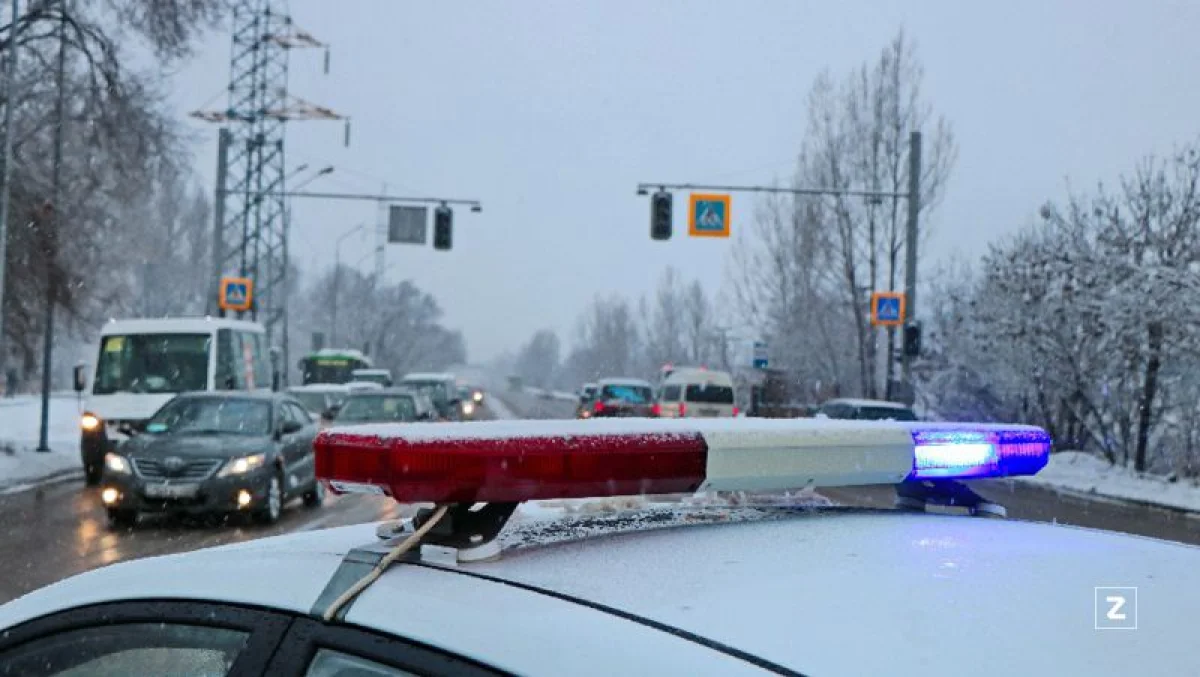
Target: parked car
[(206, 453), (866, 410), (623, 397)]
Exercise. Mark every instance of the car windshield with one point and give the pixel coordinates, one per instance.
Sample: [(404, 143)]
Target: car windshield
[(884, 414), (709, 394), (377, 409), (435, 390), (632, 394), (313, 401), (212, 415), (153, 363)]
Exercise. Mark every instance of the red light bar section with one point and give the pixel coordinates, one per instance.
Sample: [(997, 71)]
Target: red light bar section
[(516, 469)]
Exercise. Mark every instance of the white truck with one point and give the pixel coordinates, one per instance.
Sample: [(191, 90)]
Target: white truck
[(142, 363)]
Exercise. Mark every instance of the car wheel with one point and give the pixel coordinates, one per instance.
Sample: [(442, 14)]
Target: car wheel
[(93, 468), (313, 498), (272, 506), (119, 518)]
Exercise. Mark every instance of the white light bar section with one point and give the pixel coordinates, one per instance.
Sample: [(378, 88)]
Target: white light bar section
[(821, 454)]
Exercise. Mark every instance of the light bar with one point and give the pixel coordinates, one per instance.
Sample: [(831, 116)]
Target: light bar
[(962, 452), (514, 461)]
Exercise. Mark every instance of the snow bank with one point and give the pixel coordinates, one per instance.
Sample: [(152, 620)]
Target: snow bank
[(20, 465), (1086, 473)]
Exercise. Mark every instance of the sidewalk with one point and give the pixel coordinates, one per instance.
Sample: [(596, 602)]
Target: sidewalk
[(1083, 473), (21, 466)]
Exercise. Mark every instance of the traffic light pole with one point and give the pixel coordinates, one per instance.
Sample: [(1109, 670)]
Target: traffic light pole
[(912, 195)]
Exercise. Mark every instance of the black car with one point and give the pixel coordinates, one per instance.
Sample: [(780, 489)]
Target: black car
[(387, 405), (215, 453)]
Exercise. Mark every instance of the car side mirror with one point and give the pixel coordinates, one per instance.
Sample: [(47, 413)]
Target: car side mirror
[(80, 375), (289, 427)]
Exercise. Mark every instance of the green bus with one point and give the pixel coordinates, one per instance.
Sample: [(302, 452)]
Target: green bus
[(332, 365)]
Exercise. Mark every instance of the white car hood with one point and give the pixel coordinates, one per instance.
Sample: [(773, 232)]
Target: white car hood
[(126, 406)]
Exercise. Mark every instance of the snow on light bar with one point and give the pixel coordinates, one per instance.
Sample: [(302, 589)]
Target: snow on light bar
[(513, 461)]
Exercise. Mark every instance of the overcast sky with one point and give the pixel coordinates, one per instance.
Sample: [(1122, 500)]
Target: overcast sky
[(550, 113)]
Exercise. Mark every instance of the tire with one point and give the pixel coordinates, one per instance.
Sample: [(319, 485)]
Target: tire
[(272, 507), (122, 519), (313, 498)]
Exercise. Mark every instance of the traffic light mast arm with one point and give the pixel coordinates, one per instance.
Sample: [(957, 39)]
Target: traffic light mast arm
[(643, 187), (475, 205)]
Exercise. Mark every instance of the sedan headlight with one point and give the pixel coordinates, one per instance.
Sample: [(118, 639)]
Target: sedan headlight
[(116, 463), (243, 465), (89, 422)]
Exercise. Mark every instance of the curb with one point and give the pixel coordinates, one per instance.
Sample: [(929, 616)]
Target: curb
[(1094, 495), (18, 486)]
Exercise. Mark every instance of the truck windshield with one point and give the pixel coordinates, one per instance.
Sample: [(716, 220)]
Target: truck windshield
[(153, 363)]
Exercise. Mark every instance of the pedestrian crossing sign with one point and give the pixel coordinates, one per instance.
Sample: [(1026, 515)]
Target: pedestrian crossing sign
[(887, 309), (708, 215), (236, 293)]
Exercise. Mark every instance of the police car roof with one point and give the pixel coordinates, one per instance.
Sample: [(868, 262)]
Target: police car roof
[(825, 593)]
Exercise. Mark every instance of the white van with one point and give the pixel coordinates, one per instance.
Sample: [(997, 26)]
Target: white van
[(141, 364), (696, 393)]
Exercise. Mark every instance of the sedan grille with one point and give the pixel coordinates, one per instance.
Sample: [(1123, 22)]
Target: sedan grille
[(189, 471)]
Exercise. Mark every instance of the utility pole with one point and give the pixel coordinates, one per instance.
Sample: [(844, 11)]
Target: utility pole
[(910, 263), (10, 86), (218, 241), (53, 221)]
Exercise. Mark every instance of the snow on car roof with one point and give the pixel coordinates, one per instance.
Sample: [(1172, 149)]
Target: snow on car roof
[(177, 325), (920, 591), (624, 382), (867, 403), (800, 589), (428, 376), (320, 388)]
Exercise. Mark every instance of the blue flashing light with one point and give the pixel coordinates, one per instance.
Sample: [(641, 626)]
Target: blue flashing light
[(964, 453)]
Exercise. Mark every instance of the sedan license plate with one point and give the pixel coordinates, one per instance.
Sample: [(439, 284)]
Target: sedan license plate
[(166, 490)]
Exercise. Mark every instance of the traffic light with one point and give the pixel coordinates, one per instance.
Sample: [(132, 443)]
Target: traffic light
[(912, 339), (660, 216), (443, 225)]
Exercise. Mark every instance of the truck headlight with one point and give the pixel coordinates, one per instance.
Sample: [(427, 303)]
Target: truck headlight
[(243, 465), (116, 463), (89, 422)]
